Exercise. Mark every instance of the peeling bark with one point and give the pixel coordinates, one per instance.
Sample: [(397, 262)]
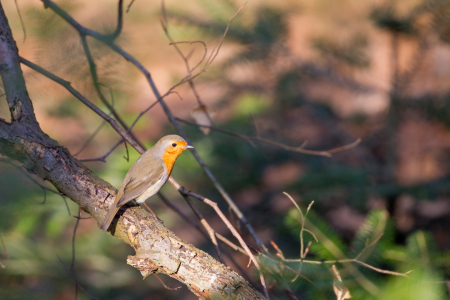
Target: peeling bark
[(158, 250)]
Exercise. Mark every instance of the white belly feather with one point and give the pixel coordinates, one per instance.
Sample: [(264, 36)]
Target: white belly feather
[(153, 189)]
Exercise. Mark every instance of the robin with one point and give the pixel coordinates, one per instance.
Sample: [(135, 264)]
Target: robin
[(148, 174)]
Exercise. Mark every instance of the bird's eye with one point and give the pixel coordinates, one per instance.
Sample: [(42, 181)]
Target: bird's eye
[(174, 144)]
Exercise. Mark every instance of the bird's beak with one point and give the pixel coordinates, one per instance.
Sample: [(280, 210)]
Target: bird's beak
[(188, 147)]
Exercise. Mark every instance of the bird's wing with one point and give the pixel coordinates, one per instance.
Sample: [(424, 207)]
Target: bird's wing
[(145, 177)]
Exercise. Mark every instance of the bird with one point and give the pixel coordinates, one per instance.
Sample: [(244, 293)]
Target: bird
[(148, 174)]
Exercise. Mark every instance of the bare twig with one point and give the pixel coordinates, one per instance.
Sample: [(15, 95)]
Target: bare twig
[(165, 286), (119, 27), (326, 153), (97, 130), (103, 158), (182, 214), (279, 252), (43, 187), (91, 137), (214, 205), (129, 5), (211, 232), (200, 229), (235, 134), (85, 101), (302, 229), (216, 49), (72, 265), (368, 246), (186, 60), (349, 260), (21, 21), (95, 81), (77, 284), (71, 269)]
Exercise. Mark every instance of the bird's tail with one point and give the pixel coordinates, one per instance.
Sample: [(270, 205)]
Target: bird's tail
[(109, 217)]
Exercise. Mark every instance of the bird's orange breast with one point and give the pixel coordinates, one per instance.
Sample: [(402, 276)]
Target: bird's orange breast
[(169, 158)]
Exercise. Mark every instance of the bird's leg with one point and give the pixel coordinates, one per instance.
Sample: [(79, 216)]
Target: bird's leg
[(148, 207)]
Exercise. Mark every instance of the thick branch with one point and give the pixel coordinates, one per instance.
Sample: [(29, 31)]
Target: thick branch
[(16, 94), (158, 250)]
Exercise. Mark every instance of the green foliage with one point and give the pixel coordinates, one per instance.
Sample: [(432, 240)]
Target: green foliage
[(374, 236), (251, 104), (373, 244), (420, 284)]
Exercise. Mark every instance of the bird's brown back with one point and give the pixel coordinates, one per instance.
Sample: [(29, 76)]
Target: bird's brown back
[(147, 170)]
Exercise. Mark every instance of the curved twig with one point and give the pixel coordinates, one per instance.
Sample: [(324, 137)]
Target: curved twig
[(326, 153)]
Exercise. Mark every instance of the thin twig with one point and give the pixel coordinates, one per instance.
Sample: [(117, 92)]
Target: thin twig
[(91, 137), (214, 205), (129, 5), (43, 187), (211, 232), (348, 260), (119, 27), (368, 246), (237, 248), (103, 158), (165, 286), (79, 286), (182, 214), (279, 252), (223, 239), (85, 101), (186, 60), (222, 38), (95, 81), (327, 153), (97, 130), (302, 229), (72, 265), (21, 21), (71, 269), (200, 229)]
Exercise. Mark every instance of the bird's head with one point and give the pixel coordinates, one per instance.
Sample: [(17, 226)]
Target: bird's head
[(170, 146), (173, 144)]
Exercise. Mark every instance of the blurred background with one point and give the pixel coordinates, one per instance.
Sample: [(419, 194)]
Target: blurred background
[(320, 72)]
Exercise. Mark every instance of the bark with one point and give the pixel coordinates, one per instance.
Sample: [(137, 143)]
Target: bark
[(158, 250)]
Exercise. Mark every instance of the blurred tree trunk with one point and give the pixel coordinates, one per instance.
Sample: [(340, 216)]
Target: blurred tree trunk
[(158, 250)]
